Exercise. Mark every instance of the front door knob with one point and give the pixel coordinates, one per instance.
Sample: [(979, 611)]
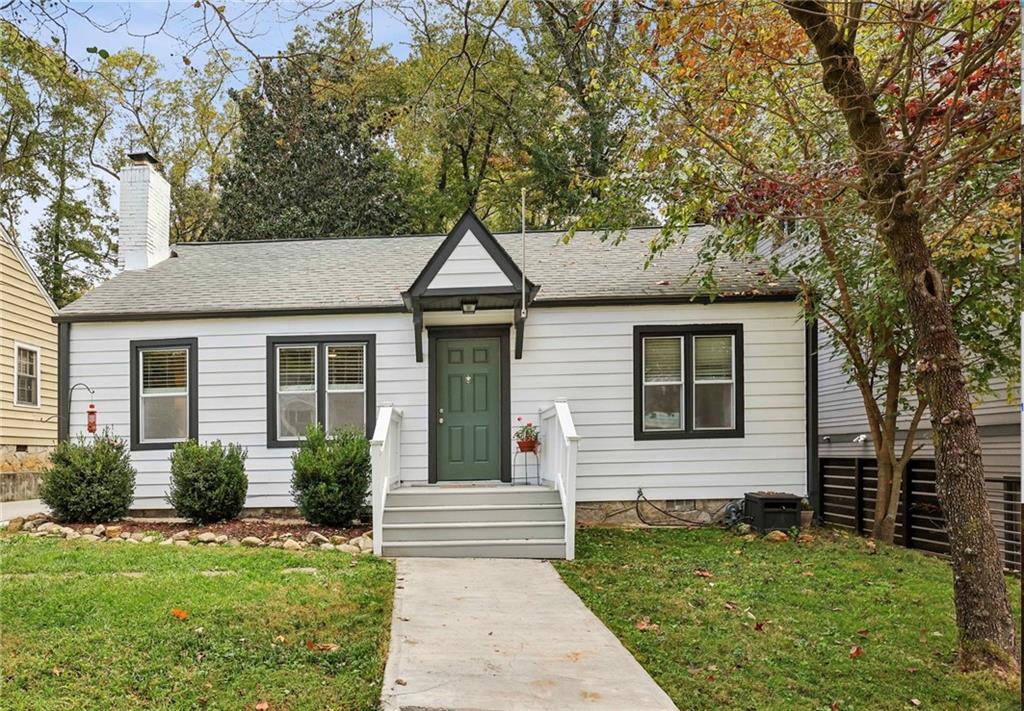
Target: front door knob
[(440, 420)]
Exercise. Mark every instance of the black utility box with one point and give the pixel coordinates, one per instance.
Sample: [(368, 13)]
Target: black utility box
[(769, 511)]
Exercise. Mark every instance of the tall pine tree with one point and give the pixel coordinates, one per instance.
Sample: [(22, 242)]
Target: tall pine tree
[(310, 160)]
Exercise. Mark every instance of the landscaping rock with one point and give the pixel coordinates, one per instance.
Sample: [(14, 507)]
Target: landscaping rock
[(182, 542), (368, 535), (252, 542), (99, 530), (742, 529), (72, 536), (15, 524), (327, 546), (292, 545), (338, 540), (314, 537), (805, 538), (362, 542), (111, 531), (167, 542), (275, 544), (148, 539), (39, 534), (233, 543), (222, 538), (46, 527), (29, 526), (777, 536), (207, 537), (126, 536), (348, 548), (181, 536), (137, 536), (366, 551), (130, 540), (37, 516)]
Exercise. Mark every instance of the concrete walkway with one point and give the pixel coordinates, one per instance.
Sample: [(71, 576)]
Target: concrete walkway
[(13, 509), (484, 634)]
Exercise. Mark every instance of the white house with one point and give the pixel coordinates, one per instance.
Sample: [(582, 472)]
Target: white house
[(436, 344)]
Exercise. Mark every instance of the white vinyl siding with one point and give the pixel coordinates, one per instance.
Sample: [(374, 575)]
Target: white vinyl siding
[(469, 266), (583, 354)]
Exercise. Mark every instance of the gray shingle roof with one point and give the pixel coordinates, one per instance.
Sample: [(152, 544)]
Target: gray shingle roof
[(370, 273)]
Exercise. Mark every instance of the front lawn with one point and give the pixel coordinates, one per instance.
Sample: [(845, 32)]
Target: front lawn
[(720, 622), (124, 626)]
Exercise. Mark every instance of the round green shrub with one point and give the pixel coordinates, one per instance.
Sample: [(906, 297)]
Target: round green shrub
[(208, 481), (331, 475), (89, 480)]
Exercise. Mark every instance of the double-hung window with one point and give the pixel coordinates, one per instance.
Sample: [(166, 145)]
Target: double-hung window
[(26, 375), (164, 392), (326, 380), (688, 381)]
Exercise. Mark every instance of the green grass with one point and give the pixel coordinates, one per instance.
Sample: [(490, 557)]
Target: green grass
[(81, 629), (815, 601)]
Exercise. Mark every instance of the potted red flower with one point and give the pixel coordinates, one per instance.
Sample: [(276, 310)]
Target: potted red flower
[(526, 436)]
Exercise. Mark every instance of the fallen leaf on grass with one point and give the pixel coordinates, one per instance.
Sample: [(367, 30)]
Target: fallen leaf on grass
[(911, 670), (862, 633), (730, 605), (644, 624), (915, 702), (279, 639), (703, 573), (57, 671), (835, 706), (325, 647), (262, 706), (759, 627), (856, 651), (179, 613)]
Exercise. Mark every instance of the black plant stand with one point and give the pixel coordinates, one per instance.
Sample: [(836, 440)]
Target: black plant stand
[(525, 479)]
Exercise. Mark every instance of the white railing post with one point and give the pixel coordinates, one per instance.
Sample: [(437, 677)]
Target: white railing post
[(559, 450), (385, 462)]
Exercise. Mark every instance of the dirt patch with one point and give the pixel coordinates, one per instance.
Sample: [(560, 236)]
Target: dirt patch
[(239, 529)]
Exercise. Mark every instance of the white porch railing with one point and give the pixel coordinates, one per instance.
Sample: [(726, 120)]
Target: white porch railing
[(559, 445), (385, 462)]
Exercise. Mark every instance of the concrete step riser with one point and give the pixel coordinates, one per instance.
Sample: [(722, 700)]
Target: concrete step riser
[(477, 550), (454, 497), (473, 533), (442, 515)]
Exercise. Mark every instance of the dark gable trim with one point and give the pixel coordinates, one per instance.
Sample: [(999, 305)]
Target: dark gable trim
[(501, 333), (401, 308), (687, 331), (468, 222), (653, 300), (192, 344), (227, 313), (63, 381), (320, 343), (811, 385)]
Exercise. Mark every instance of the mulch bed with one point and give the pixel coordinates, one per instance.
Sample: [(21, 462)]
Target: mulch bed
[(239, 528)]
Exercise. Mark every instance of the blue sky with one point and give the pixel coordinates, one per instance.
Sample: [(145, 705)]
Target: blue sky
[(168, 29)]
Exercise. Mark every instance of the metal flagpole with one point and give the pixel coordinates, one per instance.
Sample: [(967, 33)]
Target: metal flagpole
[(522, 305)]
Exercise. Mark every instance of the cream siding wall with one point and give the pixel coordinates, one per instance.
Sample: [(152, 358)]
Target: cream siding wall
[(469, 266), (25, 317), (583, 354)]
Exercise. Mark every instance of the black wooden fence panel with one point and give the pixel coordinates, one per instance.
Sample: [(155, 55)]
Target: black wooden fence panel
[(848, 488)]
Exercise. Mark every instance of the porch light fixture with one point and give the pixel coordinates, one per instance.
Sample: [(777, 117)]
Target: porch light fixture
[(469, 306)]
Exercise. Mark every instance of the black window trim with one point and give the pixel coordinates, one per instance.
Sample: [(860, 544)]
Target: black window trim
[(192, 346), (686, 332), (320, 342)]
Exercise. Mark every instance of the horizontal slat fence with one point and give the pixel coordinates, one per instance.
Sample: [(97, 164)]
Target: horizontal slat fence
[(848, 487)]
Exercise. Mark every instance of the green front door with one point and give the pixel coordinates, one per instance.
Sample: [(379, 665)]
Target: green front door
[(467, 425)]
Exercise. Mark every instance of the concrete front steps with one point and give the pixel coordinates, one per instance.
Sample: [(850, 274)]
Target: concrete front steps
[(474, 522)]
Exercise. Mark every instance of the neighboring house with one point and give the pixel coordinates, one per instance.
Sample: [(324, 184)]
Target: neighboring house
[(846, 454), (424, 342), (28, 374)]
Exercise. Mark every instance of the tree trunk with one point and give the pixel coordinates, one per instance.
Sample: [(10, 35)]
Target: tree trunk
[(987, 633)]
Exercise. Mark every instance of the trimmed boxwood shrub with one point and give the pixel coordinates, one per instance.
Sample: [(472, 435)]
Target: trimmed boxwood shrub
[(89, 480), (331, 475), (208, 481)]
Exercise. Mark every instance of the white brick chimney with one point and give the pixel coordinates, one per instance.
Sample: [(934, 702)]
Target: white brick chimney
[(144, 225)]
